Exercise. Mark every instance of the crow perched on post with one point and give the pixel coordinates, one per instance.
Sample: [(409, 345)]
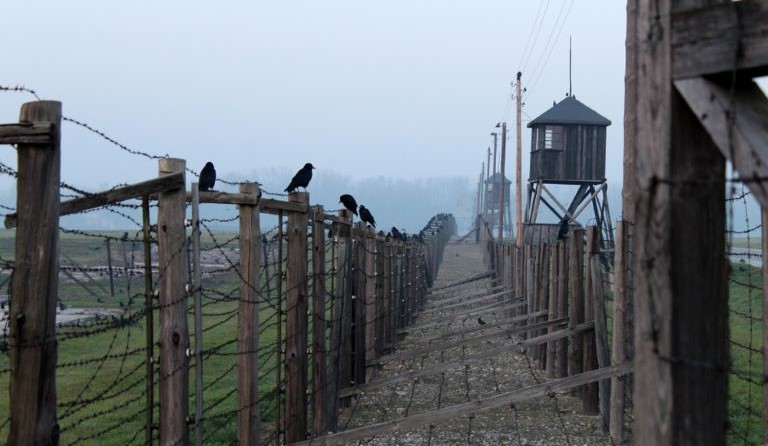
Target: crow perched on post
[(207, 177), (396, 234), (301, 179), (365, 215), (349, 202)]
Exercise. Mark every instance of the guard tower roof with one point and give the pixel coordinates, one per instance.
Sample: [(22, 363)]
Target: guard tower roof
[(570, 111)]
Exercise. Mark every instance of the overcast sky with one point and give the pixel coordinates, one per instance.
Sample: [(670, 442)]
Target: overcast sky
[(400, 88)]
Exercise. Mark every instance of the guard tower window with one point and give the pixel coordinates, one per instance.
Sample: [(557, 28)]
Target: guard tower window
[(548, 138)]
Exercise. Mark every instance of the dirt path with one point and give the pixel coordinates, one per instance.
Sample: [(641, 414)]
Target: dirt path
[(549, 420)]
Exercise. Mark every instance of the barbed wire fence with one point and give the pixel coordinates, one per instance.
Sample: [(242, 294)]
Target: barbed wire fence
[(110, 367)]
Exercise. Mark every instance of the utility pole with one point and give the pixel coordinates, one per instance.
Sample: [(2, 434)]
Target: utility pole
[(495, 139), (518, 167), (481, 198), (501, 180)]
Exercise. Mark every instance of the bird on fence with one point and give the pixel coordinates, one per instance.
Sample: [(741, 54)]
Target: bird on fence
[(481, 321), (349, 202), (301, 179), (207, 177), (396, 234), (563, 232), (365, 215)]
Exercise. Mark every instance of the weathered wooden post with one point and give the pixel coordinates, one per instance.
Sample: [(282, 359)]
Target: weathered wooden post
[(601, 328), (382, 299), (369, 298), (618, 351), (249, 413), (387, 294), (34, 293), (197, 276), (320, 404), (590, 397), (552, 314), (542, 267), (358, 304), (174, 330), (296, 323), (342, 320), (562, 306), (576, 300)]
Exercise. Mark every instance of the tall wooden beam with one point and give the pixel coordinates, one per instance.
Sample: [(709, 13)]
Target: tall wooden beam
[(248, 397), (681, 281), (174, 330), (35, 285), (296, 324)]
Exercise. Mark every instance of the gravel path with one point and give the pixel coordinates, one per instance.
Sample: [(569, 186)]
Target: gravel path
[(548, 420)]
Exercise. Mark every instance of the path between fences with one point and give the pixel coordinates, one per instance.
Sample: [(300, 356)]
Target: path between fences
[(555, 419)]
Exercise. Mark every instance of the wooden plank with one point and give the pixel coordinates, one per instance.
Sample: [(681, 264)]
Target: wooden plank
[(296, 324), (618, 352), (358, 304), (320, 383), (228, 198), (576, 300), (552, 309), (248, 397), (342, 347), (471, 279), (77, 205), (591, 393), (495, 308), (436, 347), (562, 307), (476, 301), (197, 276), (601, 323), (737, 124), (32, 319), (369, 298), (450, 412), (38, 133), (271, 206), (473, 328), (174, 331), (720, 38), (681, 278)]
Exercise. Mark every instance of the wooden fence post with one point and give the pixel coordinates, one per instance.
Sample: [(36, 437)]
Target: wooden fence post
[(601, 329), (296, 323), (562, 306), (590, 397), (369, 298), (387, 293), (174, 330), (381, 298), (618, 355), (320, 404), (358, 304), (552, 314), (35, 284), (248, 398), (576, 300), (541, 265), (342, 319)]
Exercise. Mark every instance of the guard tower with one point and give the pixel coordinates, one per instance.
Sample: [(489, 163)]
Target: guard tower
[(492, 197), (567, 148)]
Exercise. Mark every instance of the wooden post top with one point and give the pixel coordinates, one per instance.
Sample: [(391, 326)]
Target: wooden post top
[(168, 166), (249, 188), (298, 197), (318, 212), (40, 111)]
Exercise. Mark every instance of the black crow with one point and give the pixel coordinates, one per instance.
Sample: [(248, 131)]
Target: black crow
[(301, 179), (207, 177), (396, 234), (481, 321), (349, 202), (563, 231), (365, 215)]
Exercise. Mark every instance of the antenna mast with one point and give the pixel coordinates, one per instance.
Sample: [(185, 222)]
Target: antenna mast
[(570, 63)]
